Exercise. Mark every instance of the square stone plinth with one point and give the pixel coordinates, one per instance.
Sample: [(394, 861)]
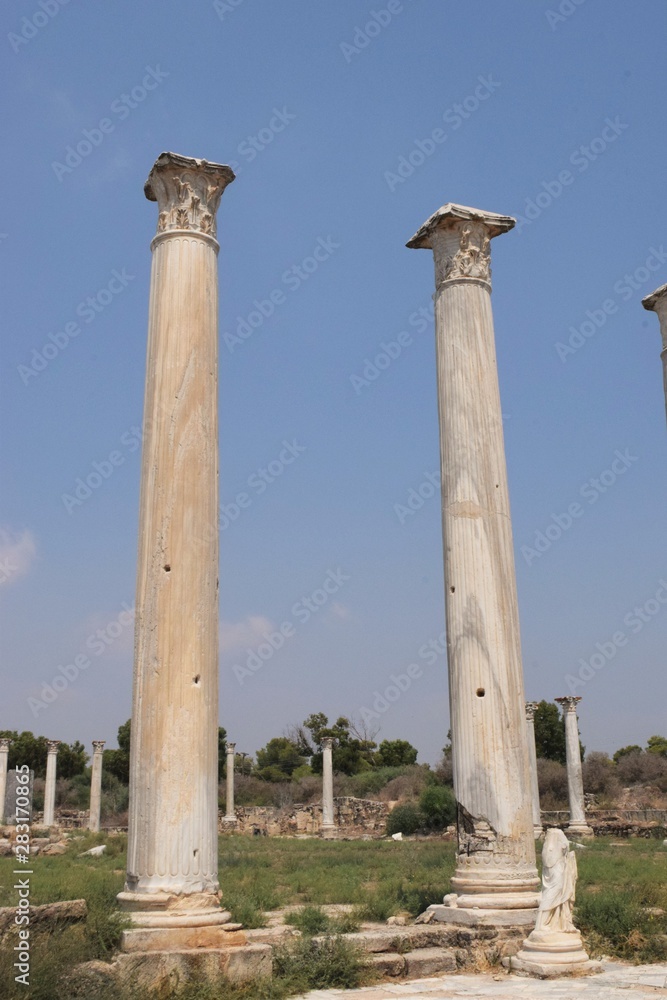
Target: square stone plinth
[(464, 917), (144, 939)]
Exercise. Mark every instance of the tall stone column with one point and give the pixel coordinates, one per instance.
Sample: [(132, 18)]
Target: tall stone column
[(4, 757), (96, 786), (657, 302), (328, 825), (230, 814), (577, 827), (496, 868), (172, 862), (50, 784), (531, 708)]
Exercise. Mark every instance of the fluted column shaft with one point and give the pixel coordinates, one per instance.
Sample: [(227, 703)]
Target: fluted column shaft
[(328, 824), (172, 845), (531, 708), (4, 757), (230, 814), (496, 860), (657, 302), (50, 783), (575, 780), (96, 786)]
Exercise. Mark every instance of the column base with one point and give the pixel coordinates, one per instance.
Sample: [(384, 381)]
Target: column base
[(164, 921), (229, 822), (579, 830), (538, 832), (552, 953), (328, 832), (474, 916)]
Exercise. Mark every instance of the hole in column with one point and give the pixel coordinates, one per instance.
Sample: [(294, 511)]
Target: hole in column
[(195, 852), (167, 568), (195, 680), (480, 692), (452, 589)]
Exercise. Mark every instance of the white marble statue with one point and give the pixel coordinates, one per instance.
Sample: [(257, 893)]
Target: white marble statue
[(559, 878)]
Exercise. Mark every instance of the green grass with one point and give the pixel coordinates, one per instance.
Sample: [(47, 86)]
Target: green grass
[(616, 885)]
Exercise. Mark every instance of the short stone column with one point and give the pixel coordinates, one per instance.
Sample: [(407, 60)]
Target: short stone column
[(577, 827), (230, 814), (328, 824), (496, 869), (96, 786), (172, 890), (531, 708), (657, 302), (4, 757), (50, 784)]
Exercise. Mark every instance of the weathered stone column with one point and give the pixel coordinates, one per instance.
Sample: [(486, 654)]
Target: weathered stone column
[(96, 786), (4, 757), (328, 825), (577, 827), (172, 862), (657, 302), (50, 784), (496, 868), (230, 814), (531, 708)]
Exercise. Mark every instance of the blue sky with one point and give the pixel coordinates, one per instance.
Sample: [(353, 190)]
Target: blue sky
[(548, 113)]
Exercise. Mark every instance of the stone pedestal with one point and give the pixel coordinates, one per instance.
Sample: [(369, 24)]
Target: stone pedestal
[(4, 758), (50, 784), (496, 869), (328, 825), (577, 827), (229, 818), (172, 866), (657, 302), (531, 708), (547, 955), (96, 786)]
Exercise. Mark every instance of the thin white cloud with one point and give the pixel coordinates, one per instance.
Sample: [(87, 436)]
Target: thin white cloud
[(17, 551), (247, 633)]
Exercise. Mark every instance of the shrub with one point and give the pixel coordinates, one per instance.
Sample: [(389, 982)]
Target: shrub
[(438, 807), (599, 776), (309, 920), (552, 779), (320, 965), (404, 819), (641, 768)]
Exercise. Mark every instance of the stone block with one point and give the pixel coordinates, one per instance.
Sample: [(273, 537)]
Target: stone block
[(388, 963), (429, 962), (145, 939)]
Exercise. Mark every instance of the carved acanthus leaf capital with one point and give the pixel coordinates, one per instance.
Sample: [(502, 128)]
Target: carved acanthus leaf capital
[(188, 192), (468, 255), (98, 746), (569, 703), (328, 742), (531, 708), (53, 745), (4, 743), (231, 749)]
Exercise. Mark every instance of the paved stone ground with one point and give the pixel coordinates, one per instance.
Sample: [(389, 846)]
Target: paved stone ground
[(616, 982)]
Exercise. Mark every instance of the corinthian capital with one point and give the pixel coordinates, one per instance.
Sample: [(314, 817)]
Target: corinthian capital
[(531, 708), (569, 703), (98, 746), (53, 745), (188, 192)]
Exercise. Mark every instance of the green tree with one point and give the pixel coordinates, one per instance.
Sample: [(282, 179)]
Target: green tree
[(351, 754), (396, 753), (278, 760), (657, 745), (26, 748), (437, 806), (222, 753), (117, 762), (624, 751), (549, 732), (72, 759)]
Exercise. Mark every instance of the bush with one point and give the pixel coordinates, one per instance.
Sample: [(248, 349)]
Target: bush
[(405, 819), (552, 779), (642, 768), (321, 965), (438, 807), (599, 776), (309, 920)]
